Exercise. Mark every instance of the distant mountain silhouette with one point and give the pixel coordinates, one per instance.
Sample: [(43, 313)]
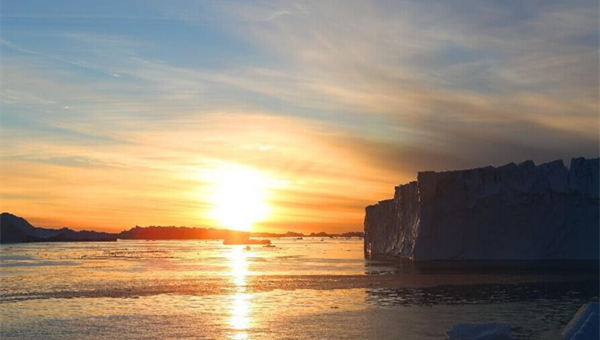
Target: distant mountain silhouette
[(15, 229), (179, 233)]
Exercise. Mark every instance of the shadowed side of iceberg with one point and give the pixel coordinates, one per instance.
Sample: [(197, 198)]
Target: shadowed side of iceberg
[(512, 212)]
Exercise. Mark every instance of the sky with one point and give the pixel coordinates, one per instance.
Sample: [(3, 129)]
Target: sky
[(122, 113)]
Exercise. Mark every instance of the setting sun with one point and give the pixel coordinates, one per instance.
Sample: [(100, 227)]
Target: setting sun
[(239, 197)]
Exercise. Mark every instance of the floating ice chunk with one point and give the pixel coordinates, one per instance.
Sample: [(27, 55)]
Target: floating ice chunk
[(585, 324)]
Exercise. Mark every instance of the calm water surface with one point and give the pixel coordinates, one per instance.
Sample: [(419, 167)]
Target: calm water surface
[(299, 289)]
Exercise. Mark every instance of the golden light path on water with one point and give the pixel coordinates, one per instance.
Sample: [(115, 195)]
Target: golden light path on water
[(239, 320)]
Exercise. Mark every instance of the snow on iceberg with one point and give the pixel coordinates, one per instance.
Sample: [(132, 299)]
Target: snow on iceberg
[(585, 323)]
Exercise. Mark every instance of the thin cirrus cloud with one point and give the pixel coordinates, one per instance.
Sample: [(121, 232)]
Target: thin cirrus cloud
[(112, 115)]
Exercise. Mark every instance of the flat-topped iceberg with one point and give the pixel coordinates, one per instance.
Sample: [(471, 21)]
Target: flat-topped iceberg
[(511, 212)]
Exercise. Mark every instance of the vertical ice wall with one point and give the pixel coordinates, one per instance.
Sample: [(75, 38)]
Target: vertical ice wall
[(510, 212)]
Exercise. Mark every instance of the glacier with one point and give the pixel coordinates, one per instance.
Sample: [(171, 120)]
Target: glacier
[(511, 212)]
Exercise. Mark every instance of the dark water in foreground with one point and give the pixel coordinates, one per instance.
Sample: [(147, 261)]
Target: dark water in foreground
[(298, 290)]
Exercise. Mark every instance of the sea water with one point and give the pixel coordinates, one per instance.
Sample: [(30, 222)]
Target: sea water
[(307, 288)]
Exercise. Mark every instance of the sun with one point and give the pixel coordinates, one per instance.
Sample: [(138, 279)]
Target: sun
[(239, 197)]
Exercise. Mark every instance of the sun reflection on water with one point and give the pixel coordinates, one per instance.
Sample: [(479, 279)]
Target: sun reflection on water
[(239, 320)]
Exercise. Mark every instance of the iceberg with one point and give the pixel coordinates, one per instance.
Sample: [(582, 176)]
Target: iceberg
[(585, 323), (511, 212)]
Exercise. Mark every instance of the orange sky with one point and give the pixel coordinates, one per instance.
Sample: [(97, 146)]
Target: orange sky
[(164, 177)]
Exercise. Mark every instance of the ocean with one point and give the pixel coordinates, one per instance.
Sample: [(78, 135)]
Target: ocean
[(307, 288)]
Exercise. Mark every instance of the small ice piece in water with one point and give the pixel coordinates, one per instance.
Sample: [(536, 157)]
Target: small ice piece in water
[(584, 324), (480, 331)]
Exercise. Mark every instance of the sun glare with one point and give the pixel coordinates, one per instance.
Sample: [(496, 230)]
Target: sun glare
[(239, 197)]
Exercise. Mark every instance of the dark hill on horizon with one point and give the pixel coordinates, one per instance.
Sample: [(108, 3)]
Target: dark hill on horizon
[(15, 229), (179, 233)]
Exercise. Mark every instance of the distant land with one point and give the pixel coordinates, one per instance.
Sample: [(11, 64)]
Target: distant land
[(15, 229)]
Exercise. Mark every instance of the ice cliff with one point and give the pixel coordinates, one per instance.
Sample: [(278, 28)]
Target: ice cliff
[(524, 212)]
